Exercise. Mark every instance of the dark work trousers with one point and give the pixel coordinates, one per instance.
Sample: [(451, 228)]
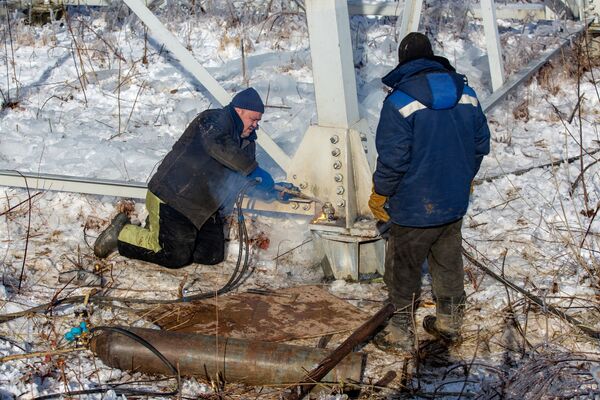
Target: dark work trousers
[(181, 243), (407, 250)]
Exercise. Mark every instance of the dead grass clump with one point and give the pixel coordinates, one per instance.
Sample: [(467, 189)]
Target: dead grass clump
[(125, 206), (521, 111), (552, 375), (547, 78)]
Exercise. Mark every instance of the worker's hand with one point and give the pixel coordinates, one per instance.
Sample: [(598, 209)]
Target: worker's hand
[(376, 204), (288, 191), (263, 178)]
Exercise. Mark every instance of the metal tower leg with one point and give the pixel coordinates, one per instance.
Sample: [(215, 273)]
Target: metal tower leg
[(334, 161), (411, 16), (492, 39)]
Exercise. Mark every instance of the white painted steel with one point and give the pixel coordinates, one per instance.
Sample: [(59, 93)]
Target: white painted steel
[(503, 11), (489, 102), (492, 39), (193, 66), (332, 62), (411, 15), (29, 3), (131, 190), (62, 183), (516, 11)]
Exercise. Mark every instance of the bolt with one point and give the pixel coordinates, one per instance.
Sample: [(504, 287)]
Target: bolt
[(339, 177), (365, 149), (306, 207), (334, 139), (294, 176), (337, 165), (341, 203), (295, 205), (303, 185), (363, 137), (335, 152), (339, 190)]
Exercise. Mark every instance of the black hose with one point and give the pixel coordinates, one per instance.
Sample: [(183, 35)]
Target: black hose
[(115, 387)]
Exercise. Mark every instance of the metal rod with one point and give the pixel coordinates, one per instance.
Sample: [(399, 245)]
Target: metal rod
[(361, 334), (296, 193), (516, 79)]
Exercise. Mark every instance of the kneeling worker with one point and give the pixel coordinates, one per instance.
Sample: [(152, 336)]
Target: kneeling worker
[(201, 175)]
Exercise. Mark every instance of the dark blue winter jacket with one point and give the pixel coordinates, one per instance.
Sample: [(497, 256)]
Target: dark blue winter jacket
[(431, 138)]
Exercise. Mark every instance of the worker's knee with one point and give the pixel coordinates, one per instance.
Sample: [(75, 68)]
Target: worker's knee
[(177, 259), (209, 255)]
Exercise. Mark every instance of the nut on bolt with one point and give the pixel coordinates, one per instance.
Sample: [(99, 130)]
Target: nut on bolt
[(339, 190), (335, 152), (334, 139), (341, 203), (338, 177), (337, 165)]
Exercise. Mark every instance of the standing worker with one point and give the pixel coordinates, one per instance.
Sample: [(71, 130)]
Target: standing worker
[(431, 138), (201, 175)]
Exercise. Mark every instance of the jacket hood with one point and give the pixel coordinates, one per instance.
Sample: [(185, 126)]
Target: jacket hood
[(432, 81)]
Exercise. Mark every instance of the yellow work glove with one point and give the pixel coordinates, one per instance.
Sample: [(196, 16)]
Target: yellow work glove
[(376, 203)]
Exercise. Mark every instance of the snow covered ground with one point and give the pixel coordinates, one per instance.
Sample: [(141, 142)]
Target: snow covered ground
[(537, 228)]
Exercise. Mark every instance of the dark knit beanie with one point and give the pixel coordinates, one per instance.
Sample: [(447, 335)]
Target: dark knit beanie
[(414, 45), (248, 99)]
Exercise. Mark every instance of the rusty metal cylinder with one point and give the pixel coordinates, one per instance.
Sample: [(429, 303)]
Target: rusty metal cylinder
[(235, 360)]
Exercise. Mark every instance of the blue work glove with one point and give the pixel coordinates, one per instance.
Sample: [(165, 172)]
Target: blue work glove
[(283, 195), (264, 179)]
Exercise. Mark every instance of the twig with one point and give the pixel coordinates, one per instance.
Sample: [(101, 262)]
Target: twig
[(587, 231), (522, 171), (288, 251), (545, 307), (39, 354), (17, 205), (28, 229), (580, 177)]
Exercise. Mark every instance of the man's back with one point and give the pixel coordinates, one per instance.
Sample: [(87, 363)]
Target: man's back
[(430, 140)]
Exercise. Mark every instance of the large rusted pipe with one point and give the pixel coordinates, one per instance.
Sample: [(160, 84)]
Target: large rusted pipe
[(236, 360)]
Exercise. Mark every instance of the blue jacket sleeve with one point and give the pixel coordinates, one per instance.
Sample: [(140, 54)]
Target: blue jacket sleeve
[(393, 142), (482, 140)]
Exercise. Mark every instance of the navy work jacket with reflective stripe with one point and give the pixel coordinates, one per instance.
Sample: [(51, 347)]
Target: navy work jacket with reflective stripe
[(431, 138)]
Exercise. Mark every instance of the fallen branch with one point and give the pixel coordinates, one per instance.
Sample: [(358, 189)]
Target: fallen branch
[(360, 335), (522, 171), (545, 307)]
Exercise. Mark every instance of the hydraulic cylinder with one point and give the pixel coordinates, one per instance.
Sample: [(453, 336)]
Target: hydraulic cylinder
[(232, 360)]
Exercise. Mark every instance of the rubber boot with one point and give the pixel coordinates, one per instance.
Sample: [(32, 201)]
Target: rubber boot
[(447, 322), (398, 336), (107, 241)]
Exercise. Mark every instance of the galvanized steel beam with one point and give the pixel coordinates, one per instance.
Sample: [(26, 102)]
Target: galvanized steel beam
[(516, 79), (492, 39), (130, 190), (332, 64), (395, 9), (411, 16)]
